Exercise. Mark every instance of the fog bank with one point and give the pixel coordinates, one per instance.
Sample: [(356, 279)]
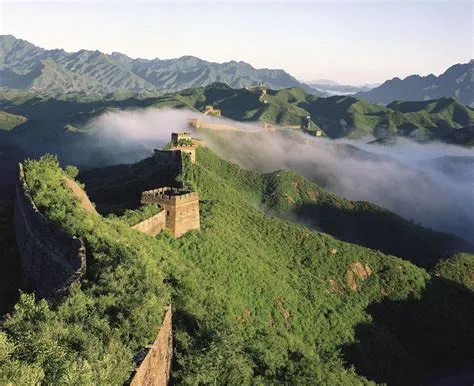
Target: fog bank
[(432, 184)]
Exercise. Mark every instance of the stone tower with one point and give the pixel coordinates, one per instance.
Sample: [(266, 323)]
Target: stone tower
[(184, 143), (181, 208), (171, 157)]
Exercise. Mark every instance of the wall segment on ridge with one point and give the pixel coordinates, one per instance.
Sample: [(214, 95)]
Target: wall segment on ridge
[(51, 258), (152, 226), (155, 369)]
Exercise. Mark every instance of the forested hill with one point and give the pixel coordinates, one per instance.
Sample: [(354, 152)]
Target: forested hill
[(289, 195), (43, 124), (24, 66), (256, 298)]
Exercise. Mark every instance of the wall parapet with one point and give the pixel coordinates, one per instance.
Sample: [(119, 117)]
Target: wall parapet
[(52, 259), (167, 194), (155, 369), (153, 225)]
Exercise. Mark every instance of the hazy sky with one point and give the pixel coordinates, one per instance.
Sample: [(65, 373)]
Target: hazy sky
[(350, 42)]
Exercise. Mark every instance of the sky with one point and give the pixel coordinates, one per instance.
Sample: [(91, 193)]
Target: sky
[(351, 42)]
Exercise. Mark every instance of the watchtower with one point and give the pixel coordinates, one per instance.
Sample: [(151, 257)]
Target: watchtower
[(210, 110), (183, 142), (180, 138), (181, 207), (171, 157)]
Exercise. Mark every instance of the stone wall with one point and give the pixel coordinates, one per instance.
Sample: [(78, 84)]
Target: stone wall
[(153, 225), (169, 160), (51, 258), (182, 213), (188, 149), (182, 209), (156, 367)]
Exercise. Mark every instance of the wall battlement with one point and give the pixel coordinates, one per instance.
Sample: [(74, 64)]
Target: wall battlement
[(51, 258), (180, 209), (168, 195)]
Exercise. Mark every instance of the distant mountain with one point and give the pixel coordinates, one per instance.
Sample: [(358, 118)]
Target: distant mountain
[(463, 136), (330, 87), (456, 82), (24, 66)]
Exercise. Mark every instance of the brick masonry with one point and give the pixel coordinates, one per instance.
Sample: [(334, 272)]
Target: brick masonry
[(181, 208), (153, 225), (155, 369)]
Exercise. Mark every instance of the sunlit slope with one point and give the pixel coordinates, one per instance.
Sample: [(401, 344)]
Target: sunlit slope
[(10, 121), (289, 292), (256, 298)]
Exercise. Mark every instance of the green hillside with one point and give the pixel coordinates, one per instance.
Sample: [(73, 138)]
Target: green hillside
[(290, 196), (10, 121), (256, 298)]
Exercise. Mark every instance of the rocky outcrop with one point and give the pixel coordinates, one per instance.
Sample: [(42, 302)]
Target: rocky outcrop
[(51, 258), (357, 270)]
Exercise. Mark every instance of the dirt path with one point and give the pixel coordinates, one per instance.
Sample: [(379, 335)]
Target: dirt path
[(80, 195)]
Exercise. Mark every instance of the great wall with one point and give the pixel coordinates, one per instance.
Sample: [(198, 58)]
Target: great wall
[(52, 259), (220, 125)]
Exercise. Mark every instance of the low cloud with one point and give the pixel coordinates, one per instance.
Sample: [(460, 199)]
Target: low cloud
[(432, 184)]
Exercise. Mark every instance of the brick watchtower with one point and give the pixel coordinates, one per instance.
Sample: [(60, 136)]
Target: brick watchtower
[(181, 207)]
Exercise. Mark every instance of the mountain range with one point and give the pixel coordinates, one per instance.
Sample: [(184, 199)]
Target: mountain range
[(24, 66), (456, 82)]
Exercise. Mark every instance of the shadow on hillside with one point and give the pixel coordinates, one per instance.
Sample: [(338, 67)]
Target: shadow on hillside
[(116, 188), (418, 341), (10, 266), (379, 229)]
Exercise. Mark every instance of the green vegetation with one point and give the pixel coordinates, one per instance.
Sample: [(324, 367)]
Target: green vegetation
[(10, 121), (93, 74), (91, 336), (289, 195), (185, 142), (132, 217), (459, 269), (256, 299)]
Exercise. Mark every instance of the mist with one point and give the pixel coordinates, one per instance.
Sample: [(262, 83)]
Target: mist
[(431, 184)]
